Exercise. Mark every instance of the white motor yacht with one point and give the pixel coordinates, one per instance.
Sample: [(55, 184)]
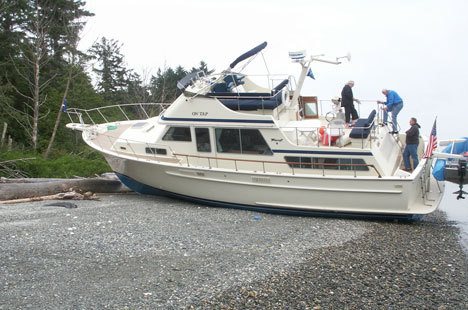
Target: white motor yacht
[(229, 141)]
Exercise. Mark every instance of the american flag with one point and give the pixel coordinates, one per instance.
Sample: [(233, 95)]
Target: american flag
[(432, 143)]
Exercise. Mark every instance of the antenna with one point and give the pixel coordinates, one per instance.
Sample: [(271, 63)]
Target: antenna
[(300, 57), (297, 56), (347, 56)]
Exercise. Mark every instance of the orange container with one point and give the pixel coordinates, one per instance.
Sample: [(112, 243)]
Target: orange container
[(327, 139)]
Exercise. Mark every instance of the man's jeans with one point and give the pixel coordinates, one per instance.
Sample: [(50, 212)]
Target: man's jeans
[(396, 109), (411, 150)]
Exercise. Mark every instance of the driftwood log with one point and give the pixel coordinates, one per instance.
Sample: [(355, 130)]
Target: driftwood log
[(72, 195), (28, 188)]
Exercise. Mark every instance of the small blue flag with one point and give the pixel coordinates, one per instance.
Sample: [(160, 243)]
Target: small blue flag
[(310, 74), (64, 105)]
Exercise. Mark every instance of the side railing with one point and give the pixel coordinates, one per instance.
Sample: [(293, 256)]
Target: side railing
[(363, 108), (114, 113), (141, 150), (333, 134), (262, 165)]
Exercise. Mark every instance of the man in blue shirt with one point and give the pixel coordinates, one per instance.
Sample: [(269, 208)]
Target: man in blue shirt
[(393, 104)]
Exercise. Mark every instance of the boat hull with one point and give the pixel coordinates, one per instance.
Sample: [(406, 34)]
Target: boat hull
[(277, 193)]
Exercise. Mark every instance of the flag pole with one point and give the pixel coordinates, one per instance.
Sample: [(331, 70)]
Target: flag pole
[(431, 145)]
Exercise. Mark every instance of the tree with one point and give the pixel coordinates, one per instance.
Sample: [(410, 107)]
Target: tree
[(59, 114), (163, 86), (137, 90), (110, 68), (34, 53), (36, 35), (203, 67), (73, 69), (13, 16), (66, 22), (64, 38)]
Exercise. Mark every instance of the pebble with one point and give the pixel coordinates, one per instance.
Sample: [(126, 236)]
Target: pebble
[(159, 253)]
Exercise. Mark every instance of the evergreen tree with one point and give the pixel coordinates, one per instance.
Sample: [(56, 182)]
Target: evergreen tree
[(203, 67), (34, 32), (13, 16), (110, 68), (66, 21), (163, 86), (40, 65), (136, 90)]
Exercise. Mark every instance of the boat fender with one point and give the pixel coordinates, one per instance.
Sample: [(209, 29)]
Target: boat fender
[(322, 130), (328, 139)]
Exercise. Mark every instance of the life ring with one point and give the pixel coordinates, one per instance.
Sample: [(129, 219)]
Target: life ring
[(330, 116)]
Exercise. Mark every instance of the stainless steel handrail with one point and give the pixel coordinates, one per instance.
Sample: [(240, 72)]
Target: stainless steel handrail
[(263, 162), (135, 154), (100, 110)]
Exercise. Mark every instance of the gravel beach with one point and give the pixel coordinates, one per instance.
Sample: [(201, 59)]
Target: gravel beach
[(140, 252)]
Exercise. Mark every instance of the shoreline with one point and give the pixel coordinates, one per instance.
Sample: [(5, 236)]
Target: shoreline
[(153, 252), (395, 266)]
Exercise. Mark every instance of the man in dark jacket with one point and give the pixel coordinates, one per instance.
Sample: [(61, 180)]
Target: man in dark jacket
[(347, 103), (412, 142)]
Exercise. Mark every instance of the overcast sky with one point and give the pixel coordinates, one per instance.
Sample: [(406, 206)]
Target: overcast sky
[(418, 48)]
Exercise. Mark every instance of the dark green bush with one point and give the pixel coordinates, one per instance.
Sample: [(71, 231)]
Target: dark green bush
[(85, 164)]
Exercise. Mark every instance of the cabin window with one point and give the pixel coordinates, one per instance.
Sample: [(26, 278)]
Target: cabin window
[(308, 106), (203, 139), (154, 151), (178, 134), (311, 109), (326, 163), (353, 164), (299, 162), (228, 140), (242, 141), (253, 142)]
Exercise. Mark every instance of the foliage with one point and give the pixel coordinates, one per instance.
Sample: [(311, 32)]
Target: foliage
[(163, 86), (110, 68), (35, 35), (85, 164), (40, 64)]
